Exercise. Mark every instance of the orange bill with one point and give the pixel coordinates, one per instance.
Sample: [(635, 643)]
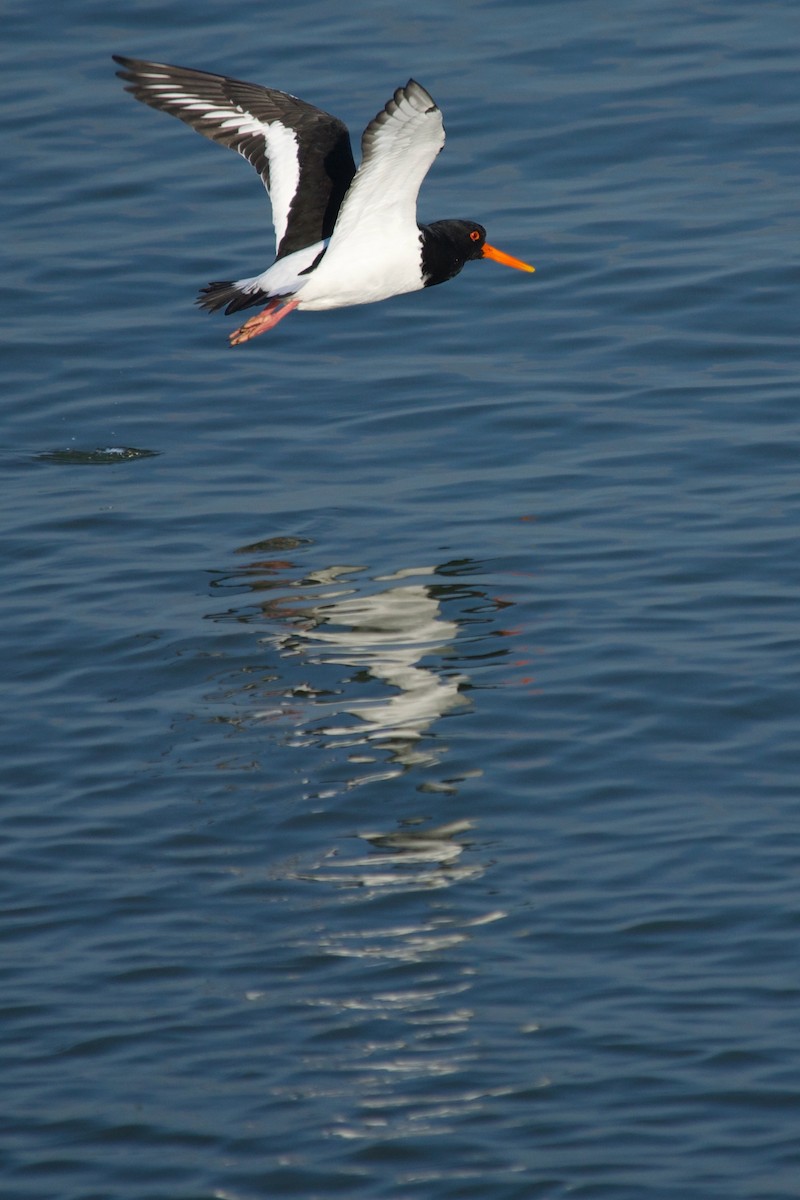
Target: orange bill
[(505, 259)]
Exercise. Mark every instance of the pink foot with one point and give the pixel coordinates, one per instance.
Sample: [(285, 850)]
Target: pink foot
[(275, 311)]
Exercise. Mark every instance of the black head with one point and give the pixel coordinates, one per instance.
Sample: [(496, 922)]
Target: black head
[(447, 245)]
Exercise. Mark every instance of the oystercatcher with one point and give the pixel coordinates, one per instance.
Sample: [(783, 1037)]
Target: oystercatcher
[(343, 236)]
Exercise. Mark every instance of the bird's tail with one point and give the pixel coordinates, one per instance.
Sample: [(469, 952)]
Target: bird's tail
[(282, 280), (231, 296)]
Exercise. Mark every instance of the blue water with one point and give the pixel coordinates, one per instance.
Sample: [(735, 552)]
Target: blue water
[(400, 732)]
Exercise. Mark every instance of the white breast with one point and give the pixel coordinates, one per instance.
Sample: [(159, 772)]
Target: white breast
[(366, 268)]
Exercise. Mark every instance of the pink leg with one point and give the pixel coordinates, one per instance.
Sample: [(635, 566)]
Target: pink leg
[(275, 311)]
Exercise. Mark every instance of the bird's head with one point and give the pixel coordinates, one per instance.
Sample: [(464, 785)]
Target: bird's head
[(448, 245)]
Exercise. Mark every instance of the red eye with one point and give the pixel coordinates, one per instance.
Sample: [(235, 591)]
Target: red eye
[(475, 235)]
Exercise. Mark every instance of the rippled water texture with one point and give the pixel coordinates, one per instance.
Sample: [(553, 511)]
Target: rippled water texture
[(400, 734)]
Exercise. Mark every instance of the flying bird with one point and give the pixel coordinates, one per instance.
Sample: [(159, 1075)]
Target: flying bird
[(342, 236)]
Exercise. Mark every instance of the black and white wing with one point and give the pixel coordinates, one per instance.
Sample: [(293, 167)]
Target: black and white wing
[(397, 150), (302, 154)]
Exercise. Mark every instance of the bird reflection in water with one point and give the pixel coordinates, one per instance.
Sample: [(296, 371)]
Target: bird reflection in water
[(385, 636), (366, 668), (362, 670), (390, 630)]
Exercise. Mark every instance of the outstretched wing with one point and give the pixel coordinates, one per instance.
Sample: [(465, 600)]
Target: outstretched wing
[(302, 154), (397, 149)]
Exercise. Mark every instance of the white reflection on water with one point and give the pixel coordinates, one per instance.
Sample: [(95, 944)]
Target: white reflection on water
[(358, 662), (410, 859), (384, 635), (410, 1063), (364, 668), (360, 672)]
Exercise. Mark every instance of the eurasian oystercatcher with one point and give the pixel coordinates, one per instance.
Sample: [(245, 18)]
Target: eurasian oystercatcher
[(343, 236)]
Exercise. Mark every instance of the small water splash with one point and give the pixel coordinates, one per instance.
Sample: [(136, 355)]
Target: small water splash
[(99, 457)]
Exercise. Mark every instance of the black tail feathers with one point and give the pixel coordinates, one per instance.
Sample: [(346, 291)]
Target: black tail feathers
[(227, 295)]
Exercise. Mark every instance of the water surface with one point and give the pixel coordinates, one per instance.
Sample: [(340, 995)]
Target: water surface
[(400, 734)]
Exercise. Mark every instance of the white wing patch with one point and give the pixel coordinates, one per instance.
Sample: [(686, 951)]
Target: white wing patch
[(281, 143), (284, 173)]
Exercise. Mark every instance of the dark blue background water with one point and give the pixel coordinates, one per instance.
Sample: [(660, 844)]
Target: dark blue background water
[(400, 761)]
